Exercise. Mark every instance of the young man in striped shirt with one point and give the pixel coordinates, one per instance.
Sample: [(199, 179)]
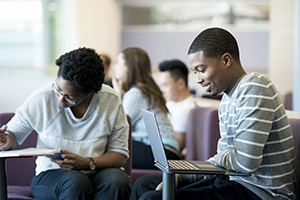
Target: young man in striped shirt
[(255, 133)]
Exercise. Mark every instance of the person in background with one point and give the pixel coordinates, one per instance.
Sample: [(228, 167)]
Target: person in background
[(134, 83), (106, 63), (256, 136), (174, 86), (83, 118)]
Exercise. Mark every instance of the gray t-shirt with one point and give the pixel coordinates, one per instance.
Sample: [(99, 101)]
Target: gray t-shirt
[(103, 127)]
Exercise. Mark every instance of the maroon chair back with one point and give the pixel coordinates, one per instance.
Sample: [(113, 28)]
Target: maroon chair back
[(202, 133), (288, 101), (295, 125), (22, 170)]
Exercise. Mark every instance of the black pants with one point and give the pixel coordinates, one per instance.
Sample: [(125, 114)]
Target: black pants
[(212, 188), (142, 157)]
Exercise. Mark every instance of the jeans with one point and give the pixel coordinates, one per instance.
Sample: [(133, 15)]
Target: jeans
[(111, 183), (214, 188)]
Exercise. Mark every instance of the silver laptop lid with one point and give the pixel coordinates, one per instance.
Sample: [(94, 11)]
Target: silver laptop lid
[(155, 138)]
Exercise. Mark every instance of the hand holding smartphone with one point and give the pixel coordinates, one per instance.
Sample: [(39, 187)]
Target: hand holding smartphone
[(57, 156)]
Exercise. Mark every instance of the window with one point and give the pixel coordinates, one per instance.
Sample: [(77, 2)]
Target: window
[(21, 33)]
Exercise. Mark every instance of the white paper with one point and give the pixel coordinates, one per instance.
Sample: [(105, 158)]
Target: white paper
[(28, 152)]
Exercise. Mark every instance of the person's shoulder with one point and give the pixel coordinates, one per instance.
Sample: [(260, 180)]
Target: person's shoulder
[(256, 78), (107, 89), (39, 98), (190, 98), (134, 91), (42, 92)]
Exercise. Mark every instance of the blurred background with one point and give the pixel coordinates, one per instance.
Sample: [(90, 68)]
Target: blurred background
[(34, 33)]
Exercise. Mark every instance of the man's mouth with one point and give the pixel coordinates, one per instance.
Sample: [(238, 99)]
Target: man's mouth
[(206, 88)]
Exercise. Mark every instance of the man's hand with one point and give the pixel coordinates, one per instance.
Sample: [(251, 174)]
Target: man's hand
[(160, 186), (72, 161)]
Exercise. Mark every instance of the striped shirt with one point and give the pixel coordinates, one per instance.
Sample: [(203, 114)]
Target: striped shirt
[(256, 138)]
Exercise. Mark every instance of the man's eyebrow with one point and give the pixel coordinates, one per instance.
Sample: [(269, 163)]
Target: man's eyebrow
[(197, 66)]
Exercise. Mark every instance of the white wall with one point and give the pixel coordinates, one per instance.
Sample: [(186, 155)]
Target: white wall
[(99, 27), (14, 90), (281, 47)]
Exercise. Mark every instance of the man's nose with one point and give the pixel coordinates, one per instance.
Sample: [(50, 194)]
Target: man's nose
[(199, 79)]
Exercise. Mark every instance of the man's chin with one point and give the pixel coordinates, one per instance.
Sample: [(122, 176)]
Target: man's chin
[(64, 105)]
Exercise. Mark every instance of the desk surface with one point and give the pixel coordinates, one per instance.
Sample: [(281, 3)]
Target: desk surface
[(205, 102), (292, 114)]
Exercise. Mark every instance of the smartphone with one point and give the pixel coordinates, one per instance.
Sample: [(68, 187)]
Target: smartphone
[(57, 156)]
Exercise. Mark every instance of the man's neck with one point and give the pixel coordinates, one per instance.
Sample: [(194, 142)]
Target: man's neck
[(183, 95)]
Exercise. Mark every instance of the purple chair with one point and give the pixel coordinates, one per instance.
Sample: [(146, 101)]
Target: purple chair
[(288, 101), (208, 96), (202, 133), (20, 171), (295, 125), (137, 173)]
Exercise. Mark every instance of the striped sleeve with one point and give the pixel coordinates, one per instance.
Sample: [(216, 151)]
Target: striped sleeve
[(256, 136)]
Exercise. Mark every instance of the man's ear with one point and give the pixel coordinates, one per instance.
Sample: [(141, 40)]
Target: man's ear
[(180, 83), (227, 59)]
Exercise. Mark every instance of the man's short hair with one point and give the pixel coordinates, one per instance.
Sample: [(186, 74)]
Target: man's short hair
[(176, 68), (214, 42)]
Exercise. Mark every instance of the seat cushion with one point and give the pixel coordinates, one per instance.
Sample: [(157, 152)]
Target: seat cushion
[(137, 173), (19, 192)]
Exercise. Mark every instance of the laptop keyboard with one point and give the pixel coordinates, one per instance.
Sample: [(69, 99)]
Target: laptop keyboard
[(181, 165)]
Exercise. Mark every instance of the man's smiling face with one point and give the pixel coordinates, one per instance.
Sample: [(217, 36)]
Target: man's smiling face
[(212, 73)]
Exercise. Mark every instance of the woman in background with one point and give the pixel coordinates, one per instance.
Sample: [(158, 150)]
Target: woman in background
[(133, 82)]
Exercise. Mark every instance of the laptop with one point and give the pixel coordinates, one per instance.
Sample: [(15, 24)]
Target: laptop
[(176, 166)]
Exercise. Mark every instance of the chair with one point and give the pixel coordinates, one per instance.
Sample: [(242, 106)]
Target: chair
[(295, 125), (288, 101), (208, 96), (201, 138), (202, 133), (19, 188), (21, 171), (137, 173)]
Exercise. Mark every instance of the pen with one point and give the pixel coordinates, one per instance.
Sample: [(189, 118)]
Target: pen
[(5, 132), (3, 139)]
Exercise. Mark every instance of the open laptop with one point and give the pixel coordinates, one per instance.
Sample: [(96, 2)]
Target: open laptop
[(176, 166)]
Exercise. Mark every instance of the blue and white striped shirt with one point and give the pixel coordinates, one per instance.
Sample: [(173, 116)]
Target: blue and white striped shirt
[(256, 138)]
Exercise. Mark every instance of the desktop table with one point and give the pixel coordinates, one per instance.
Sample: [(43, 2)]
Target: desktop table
[(168, 192), (3, 183), (19, 153)]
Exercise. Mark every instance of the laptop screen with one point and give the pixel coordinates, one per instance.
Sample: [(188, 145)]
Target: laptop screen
[(155, 137)]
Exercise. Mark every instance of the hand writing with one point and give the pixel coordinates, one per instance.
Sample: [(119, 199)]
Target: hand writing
[(3, 135)]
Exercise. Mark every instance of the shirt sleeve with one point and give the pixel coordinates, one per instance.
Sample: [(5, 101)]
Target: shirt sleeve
[(132, 102), (117, 140)]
